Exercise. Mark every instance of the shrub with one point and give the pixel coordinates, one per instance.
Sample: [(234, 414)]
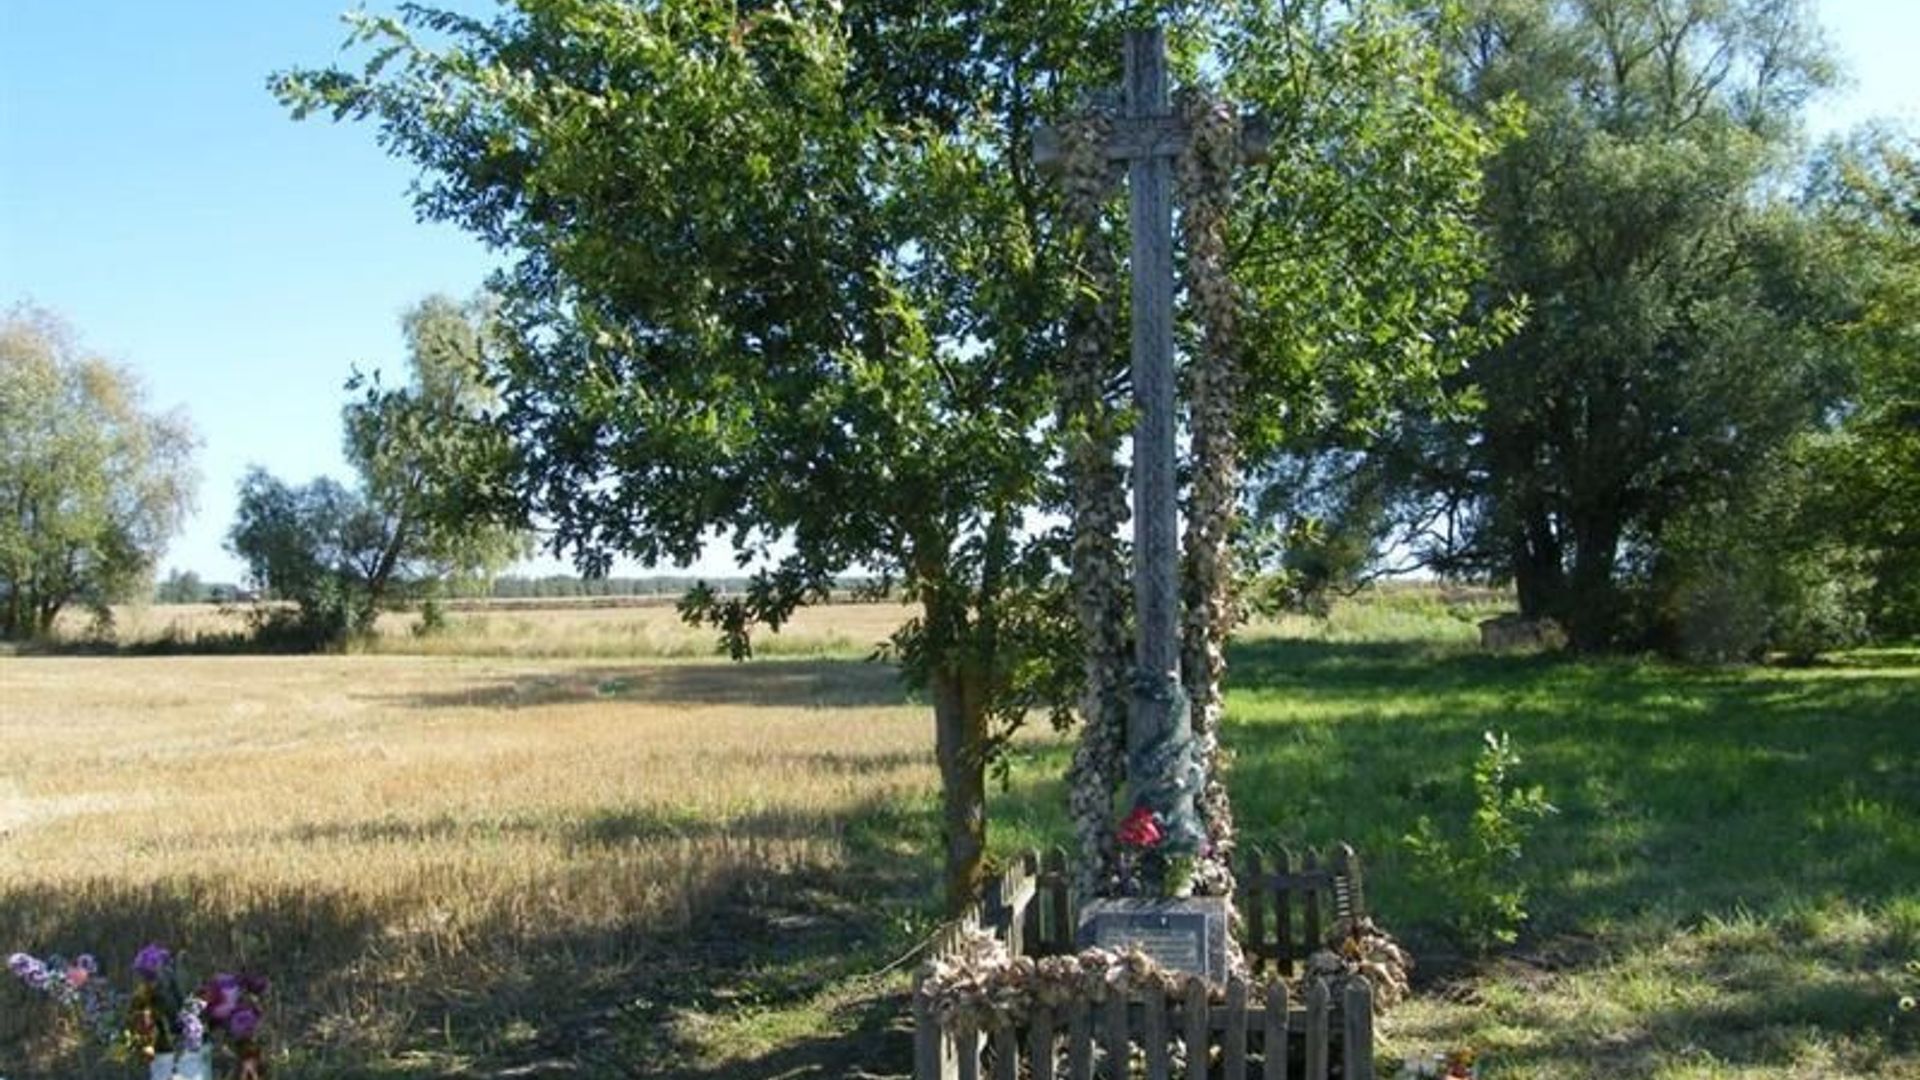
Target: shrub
[(1474, 872)]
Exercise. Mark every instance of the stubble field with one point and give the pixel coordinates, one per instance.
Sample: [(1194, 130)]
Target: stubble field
[(454, 863)]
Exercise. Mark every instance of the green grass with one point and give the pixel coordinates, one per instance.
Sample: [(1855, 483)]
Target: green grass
[(1730, 889)]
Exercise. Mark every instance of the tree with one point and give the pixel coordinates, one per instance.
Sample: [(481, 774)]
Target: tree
[(1867, 472), (790, 272), (182, 587), (92, 485), (1683, 309), (422, 451), (426, 454)]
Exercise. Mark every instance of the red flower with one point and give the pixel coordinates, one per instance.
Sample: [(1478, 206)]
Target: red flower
[(1141, 829)]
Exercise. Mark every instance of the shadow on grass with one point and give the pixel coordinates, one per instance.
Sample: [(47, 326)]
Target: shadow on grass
[(813, 684), (616, 828), (357, 996), (1680, 790)]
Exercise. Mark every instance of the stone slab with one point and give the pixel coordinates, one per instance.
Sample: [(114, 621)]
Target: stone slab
[(1187, 934)]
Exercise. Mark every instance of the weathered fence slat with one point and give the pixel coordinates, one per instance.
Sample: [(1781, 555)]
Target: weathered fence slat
[(1080, 1041), (1314, 935), (1060, 934), (1233, 1049), (1317, 1030), (1197, 1031), (1114, 1033), (1356, 1044), (1005, 1046), (1155, 1035), (1346, 894), (929, 1038), (1255, 912), (1040, 1044), (1283, 956), (1275, 1037), (968, 1037)]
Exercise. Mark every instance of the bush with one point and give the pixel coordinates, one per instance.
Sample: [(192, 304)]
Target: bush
[(1736, 582), (1474, 872), (433, 619)]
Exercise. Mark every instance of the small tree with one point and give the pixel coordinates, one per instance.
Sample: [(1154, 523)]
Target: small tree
[(423, 451), (182, 587), (92, 485)]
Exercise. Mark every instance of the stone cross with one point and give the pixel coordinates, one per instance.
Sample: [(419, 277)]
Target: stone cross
[(1147, 137)]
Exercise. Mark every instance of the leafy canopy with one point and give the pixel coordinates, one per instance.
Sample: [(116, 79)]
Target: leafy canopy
[(92, 483), (1683, 310)]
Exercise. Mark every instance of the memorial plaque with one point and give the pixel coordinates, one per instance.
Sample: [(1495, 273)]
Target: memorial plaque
[(1188, 934)]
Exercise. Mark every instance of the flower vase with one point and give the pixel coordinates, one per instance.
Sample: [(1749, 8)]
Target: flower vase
[(186, 1065)]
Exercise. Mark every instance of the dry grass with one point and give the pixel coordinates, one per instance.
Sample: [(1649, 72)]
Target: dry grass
[(411, 845)]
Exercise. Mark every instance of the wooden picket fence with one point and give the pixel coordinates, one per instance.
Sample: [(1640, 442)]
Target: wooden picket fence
[(1149, 1034)]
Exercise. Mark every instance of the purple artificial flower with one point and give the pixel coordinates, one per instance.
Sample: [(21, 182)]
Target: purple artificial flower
[(222, 993), (20, 963), (244, 1022), (151, 961), (85, 962), (193, 1033)]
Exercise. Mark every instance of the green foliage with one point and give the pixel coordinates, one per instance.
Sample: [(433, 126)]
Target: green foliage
[(1867, 474), (425, 452), (92, 483), (316, 546), (433, 619), (1686, 316), (1761, 573), (1474, 874), (183, 587)]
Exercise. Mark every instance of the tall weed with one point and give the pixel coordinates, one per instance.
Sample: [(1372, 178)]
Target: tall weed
[(1474, 872)]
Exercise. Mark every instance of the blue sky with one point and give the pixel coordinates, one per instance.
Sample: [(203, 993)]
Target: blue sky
[(154, 195)]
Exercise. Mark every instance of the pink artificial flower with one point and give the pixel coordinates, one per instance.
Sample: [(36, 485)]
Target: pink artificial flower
[(1141, 829)]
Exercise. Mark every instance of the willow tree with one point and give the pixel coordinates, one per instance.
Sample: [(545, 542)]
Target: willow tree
[(787, 271), (1686, 314)]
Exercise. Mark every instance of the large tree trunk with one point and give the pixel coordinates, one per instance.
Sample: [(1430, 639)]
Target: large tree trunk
[(1538, 576), (960, 736), (1591, 611), (16, 614)]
